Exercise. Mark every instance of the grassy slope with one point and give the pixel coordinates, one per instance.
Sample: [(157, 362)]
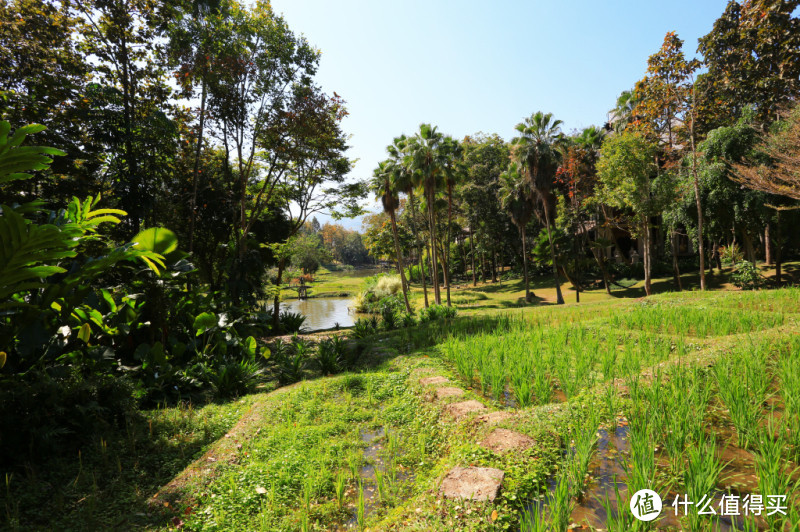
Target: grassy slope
[(110, 484), (284, 475)]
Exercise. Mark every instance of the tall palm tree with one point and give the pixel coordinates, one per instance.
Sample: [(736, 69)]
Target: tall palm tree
[(453, 173), (405, 182), (536, 151), (383, 186), (515, 197), (426, 159), (622, 114)]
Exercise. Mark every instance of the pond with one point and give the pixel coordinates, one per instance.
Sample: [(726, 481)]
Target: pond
[(322, 312)]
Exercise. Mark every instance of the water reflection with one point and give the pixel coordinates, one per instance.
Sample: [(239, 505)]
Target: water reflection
[(322, 312)]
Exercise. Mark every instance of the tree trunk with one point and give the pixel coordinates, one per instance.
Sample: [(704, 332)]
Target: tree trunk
[(472, 253), (767, 246), (648, 289), (399, 257), (494, 266), (676, 272), (276, 306), (559, 297), (696, 184), (195, 175), (434, 260), (419, 247), (127, 111), (778, 250), (528, 294), (446, 264)]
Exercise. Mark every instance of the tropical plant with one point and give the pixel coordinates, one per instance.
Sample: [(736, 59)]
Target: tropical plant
[(515, 197), (536, 151)]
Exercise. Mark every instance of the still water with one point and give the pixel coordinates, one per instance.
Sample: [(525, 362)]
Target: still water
[(322, 312)]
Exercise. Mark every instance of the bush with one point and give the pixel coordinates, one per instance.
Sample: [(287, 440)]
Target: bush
[(43, 414), (747, 276), (364, 327), (377, 292), (436, 312), (291, 322), (390, 317)]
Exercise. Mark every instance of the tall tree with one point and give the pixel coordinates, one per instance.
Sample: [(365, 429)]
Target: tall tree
[(536, 152), (515, 197), (626, 171), (666, 101), (406, 183), (383, 185), (427, 160), (753, 58)]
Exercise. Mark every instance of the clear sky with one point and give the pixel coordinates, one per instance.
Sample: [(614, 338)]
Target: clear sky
[(469, 66)]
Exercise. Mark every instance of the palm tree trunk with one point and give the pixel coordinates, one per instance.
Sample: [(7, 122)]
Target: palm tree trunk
[(419, 247), (525, 266), (447, 244), (432, 222), (559, 296), (399, 257)]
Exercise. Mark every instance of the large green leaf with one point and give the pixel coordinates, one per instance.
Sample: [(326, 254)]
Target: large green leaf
[(16, 160), (204, 322), (29, 252), (156, 239)]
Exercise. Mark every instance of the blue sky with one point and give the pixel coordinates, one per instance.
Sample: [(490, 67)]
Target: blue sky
[(469, 66)]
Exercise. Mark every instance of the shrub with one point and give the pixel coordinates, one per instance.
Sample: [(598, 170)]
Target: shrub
[(390, 317), (436, 312), (332, 355), (747, 276), (731, 254), (291, 322), (364, 327)]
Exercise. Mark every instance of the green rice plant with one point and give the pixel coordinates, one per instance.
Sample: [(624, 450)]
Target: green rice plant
[(775, 477), (742, 384), (542, 387), (339, 487), (354, 462), (701, 475), (361, 509), (585, 439), (522, 381), (497, 377), (304, 526), (642, 458), (533, 519), (561, 502), (383, 485), (616, 520)]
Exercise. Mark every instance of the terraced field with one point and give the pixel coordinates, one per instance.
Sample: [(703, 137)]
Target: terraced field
[(538, 419)]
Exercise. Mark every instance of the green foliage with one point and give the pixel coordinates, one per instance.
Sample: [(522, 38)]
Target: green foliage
[(747, 276), (437, 312)]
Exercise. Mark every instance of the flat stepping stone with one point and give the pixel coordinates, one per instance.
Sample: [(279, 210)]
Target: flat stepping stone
[(428, 381), (448, 391), (459, 410), (504, 440), (493, 418), (475, 483)]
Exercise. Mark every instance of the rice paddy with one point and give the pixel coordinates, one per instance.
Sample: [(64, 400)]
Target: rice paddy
[(694, 396)]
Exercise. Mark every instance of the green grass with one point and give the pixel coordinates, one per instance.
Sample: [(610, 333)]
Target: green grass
[(693, 373)]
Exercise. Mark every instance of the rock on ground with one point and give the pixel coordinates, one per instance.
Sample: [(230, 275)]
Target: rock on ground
[(503, 440), (475, 483)]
